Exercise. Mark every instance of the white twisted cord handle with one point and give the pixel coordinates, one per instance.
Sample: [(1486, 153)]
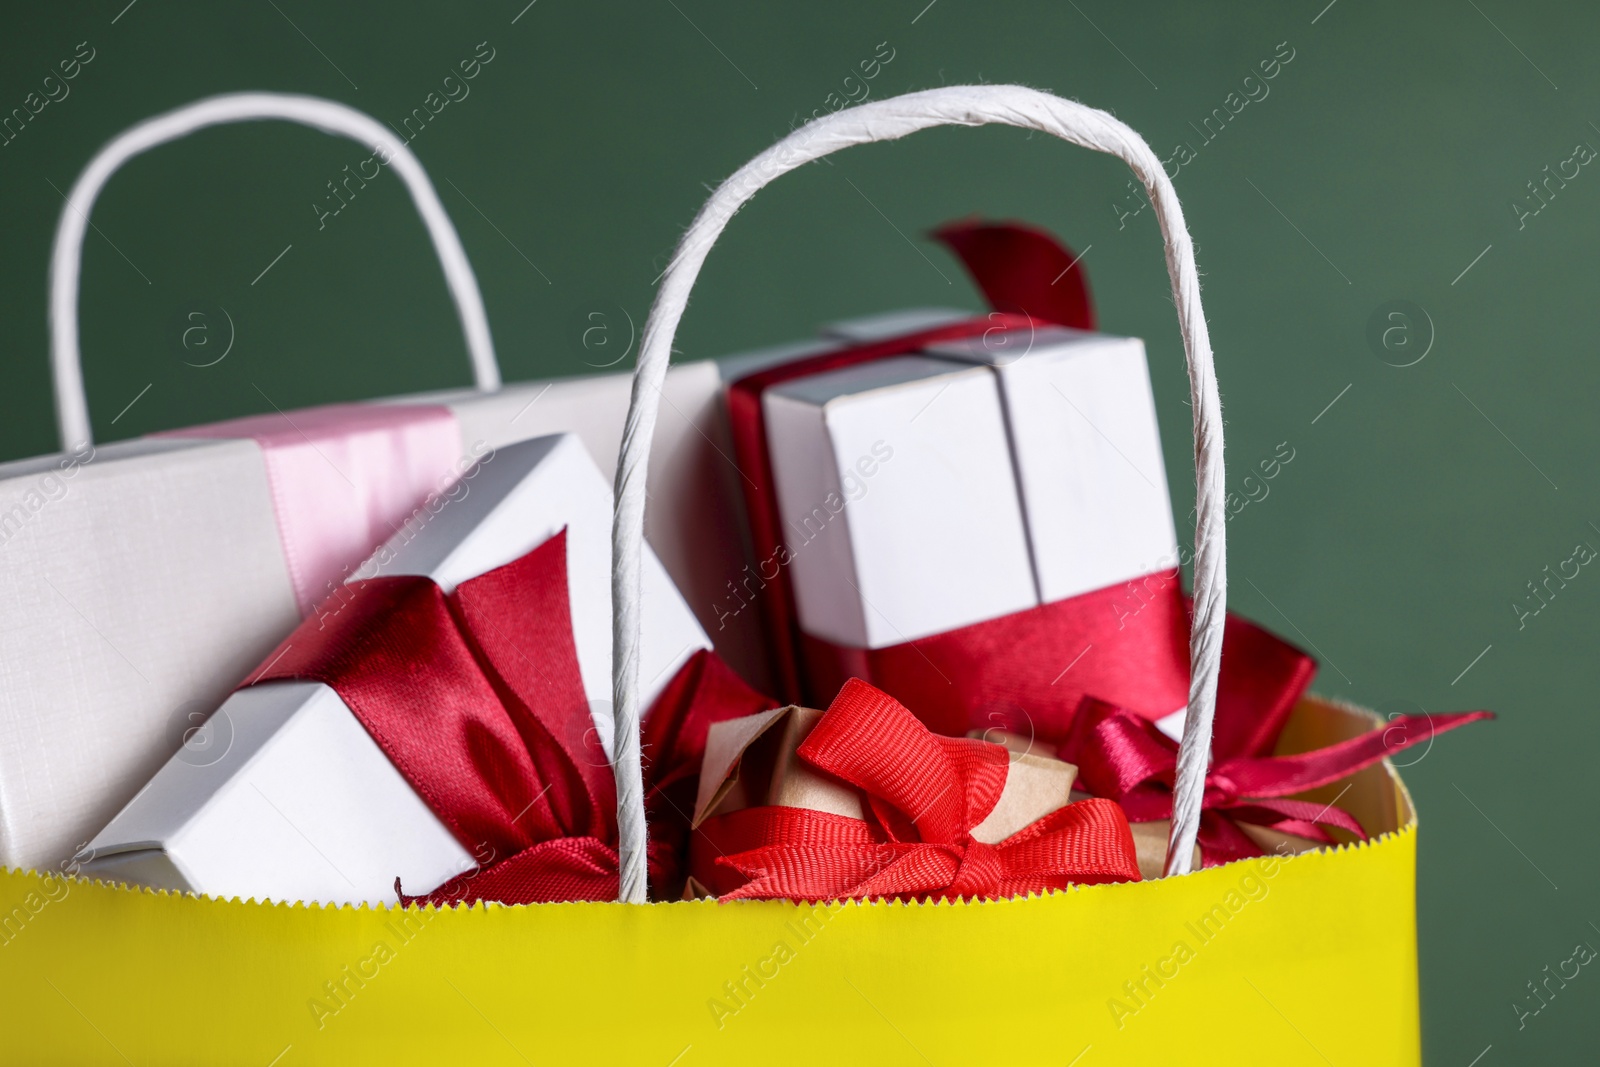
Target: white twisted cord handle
[(886, 120), (66, 259)]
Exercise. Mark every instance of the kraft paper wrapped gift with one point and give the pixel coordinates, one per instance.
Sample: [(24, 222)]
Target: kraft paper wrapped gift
[(758, 767), (1149, 838), (285, 796), (755, 760)]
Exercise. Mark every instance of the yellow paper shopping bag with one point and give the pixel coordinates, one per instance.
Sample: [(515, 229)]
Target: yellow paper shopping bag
[(1305, 958)]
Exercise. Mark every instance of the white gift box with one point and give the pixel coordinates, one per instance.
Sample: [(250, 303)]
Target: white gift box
[(283, 795), (143, 579), (1081, 419), (897, 500), (132, 595), (694, 520), (1046, 485), (716, 559)]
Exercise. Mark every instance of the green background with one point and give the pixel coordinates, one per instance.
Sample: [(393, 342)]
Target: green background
[(1384, 160)]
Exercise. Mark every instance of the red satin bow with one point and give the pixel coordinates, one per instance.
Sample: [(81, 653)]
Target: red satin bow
[(477, 700), (1124, 758), (925, 793)]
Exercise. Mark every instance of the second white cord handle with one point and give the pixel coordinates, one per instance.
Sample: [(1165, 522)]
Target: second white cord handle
[(887, 120)]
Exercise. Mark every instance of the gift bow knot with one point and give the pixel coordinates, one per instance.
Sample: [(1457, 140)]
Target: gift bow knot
[(924, 796), (1221, 790), (1125, 758)]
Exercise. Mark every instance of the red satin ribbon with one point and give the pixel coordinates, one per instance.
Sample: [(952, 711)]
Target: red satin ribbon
[(925, 793), (1122, 757), (705, 691), (1030, 670), (1023, 270), (477, 700)]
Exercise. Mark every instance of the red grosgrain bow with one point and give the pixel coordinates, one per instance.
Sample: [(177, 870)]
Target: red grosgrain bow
[(924, 795), (1125, 758), (476, 699)]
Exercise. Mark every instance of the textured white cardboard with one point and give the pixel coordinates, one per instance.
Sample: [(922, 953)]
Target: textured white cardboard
[(137, 586), (737, 633), (283, 795), (299, 804), (898, 501), (1081, 420)]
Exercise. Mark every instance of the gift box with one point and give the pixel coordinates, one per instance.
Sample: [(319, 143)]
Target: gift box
[(864, 801), (144, 579), (755, 760), (835, 336), (287, 795), (692, 523), (942, 513)]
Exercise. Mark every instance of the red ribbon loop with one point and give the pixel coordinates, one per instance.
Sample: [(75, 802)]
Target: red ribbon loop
[(925, 794), (1023, 270)]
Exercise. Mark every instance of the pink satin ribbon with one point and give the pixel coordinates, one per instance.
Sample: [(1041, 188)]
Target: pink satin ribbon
[(344, 479)]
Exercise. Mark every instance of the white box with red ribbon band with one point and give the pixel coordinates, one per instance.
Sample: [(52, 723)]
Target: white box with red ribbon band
[(283, 795), (1008, 474)]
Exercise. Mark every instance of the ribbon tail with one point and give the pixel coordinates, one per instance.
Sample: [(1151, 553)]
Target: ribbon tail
[(1281, 813), (1279, 776)]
